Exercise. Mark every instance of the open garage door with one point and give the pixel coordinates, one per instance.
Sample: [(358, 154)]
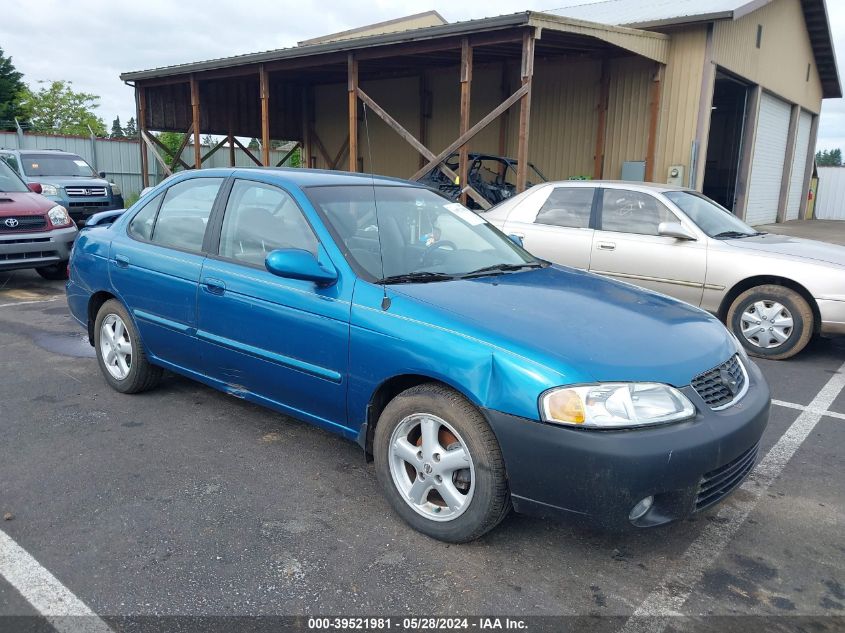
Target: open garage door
[(769, 157), (799, 166)]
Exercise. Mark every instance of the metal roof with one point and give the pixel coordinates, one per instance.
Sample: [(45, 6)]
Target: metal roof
[(645, 43), (661, 13)]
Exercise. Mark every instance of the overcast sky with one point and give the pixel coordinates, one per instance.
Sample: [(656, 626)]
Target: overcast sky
[(91, 42)]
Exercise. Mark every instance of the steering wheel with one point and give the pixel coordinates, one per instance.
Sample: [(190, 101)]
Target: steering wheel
[(431, 251)]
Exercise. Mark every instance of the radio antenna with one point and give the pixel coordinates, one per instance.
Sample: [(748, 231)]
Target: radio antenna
[(385, 300)]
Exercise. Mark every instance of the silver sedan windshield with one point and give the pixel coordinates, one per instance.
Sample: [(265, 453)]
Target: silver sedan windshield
[(713, 219)]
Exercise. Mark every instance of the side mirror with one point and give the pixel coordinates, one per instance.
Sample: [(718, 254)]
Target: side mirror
[(676, 230), (102, 174), (35, 187), (295, 263), (516, 239)]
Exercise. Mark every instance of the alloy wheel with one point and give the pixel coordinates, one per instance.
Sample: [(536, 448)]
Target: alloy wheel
[(115, 346)]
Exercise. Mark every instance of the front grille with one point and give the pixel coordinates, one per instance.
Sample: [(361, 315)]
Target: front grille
[(28, 240), (85, 191), (22, 223), (719, 483), (721, 385), (5, 257), (88, 204)]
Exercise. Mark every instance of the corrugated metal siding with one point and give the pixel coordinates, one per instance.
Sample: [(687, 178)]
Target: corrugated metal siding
[(799, 165), (628, 113), (769, 157), (780, 64), (830, 201), (680, 95)]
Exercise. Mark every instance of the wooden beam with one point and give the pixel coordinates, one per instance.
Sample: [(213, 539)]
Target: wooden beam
[(307, 125), (504, 119), (424, 112), (264, 94), (321, 148), (230, 117), (601, 128), (352, 88), (213, 150), (653, 122), (195, 110), (466, 90), (141, 93), (247, 152), (289, 154), (167, 152), (340, 153), (177, 157), (470, 133), (525, 110), (149, 143)]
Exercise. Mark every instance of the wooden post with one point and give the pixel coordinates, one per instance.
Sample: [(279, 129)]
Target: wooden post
[(230, 136), (504, 120), (601, 132), (424, 113), (527, 73), (264, 92), (653, 121), (352, 89), (141, 93), (195, 109), (466, 89)]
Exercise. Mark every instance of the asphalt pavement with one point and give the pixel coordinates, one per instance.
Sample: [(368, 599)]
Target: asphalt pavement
[(186, 501)]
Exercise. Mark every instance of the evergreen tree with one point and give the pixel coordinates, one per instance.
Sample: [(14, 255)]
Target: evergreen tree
[(12, 89), (130, 131), (116, 129)]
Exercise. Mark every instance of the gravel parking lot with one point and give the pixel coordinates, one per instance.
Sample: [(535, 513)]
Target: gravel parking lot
[(186, 501)]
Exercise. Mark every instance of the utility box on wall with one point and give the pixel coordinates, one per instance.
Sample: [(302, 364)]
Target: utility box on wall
[(675, 176)]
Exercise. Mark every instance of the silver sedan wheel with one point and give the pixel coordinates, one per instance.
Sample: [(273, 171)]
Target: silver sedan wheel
[(431, 467), (766, 324), (115, 346)]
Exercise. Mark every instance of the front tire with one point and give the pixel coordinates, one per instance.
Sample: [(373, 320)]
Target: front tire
[(771, 321), (440, 465), (56, 272), (120, 353)]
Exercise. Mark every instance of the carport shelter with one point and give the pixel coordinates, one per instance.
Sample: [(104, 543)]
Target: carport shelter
[(722, 98)]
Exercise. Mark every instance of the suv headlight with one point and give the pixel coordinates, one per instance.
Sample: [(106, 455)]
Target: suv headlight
[(615, 405), (49, 190), (115, 189), (59, 216)]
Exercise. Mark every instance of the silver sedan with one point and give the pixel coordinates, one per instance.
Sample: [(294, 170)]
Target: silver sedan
[(773, 292)]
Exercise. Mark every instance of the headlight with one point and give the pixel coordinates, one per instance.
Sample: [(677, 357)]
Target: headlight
[(615, 405), (49, 190), (115, 190), (58, 216)]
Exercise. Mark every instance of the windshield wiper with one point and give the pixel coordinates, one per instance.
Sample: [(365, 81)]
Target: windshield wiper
[(422, 276), (730, 234), (500, 268)]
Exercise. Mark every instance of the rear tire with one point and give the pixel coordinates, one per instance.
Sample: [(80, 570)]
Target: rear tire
[(120, 353), (771, 321), (56, 272), (448, 447)]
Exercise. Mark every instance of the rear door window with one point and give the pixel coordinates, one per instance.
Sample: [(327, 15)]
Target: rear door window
[(184, 213), (569, 207), (141, 226)]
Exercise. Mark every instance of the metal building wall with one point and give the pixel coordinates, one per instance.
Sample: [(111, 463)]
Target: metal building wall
[(627, 113), (780, 64)]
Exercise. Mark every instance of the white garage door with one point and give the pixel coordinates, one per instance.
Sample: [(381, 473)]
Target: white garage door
[(799, 165), (767, 164)]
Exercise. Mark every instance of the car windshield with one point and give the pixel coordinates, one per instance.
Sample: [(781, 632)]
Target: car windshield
[(9, 180), (413, 234), (56, 165), (712, 218)]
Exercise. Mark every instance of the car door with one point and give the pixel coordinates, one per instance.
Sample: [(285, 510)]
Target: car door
[(626, 245), (155, 268), (556, 224), (285, 340)]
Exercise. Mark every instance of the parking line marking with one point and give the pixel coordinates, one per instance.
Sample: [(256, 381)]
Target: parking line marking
[(668, 598), (23, 303), (801, 407), (63, 610)]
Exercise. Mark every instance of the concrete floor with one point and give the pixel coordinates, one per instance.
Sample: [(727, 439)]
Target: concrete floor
[(832, 231)]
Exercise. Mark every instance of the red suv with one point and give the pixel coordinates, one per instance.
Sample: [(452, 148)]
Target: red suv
[(34, 232)]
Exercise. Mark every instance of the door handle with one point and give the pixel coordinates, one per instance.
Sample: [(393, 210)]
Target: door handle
[(214, 286), (122, 261), (606, 246)]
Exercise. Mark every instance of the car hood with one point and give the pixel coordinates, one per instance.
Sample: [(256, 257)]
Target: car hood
[(785, 246), (575, 321), (23, 203)]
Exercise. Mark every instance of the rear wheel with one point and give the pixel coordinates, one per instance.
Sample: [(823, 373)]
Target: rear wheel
[(440, 465), (771, 321), (56, 272), (119, 351)]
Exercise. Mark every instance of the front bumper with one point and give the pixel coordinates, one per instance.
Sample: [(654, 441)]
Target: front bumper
[(832, 316), (601, 475), (36, 249)]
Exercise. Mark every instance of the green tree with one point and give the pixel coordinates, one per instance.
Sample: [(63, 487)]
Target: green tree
[(116, 129), (208, 139), (829, 158), (172, 141), (131, 130), (58, 109), (12, 89), (253, 144)]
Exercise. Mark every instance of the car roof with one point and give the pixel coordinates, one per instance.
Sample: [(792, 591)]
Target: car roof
[(655, 187), (302, 177)]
